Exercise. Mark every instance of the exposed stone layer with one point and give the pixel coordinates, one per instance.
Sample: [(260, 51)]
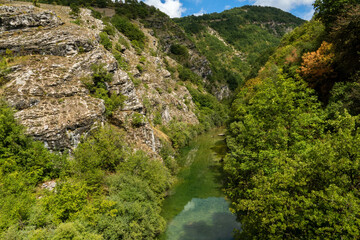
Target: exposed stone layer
[(53, 55)]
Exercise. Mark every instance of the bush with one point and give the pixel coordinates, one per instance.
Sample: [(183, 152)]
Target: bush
[(185, 74), (97, 87), (129, 30), (109, 29), (137, 120), (178, 49), (104, 149), (75, 10), (105, 41)]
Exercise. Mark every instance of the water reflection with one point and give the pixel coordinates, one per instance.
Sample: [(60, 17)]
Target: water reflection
[(203, 219)]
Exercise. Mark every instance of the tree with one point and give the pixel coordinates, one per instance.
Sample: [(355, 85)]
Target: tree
[(317, 66), (75, 10), (344, 35), (292, 174), (329, 10)]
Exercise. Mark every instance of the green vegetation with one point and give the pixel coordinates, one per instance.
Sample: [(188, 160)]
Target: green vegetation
[(137, 120), (105, 41), (135, 35), (181, 52), (83, 3), (98, 88), (75, 10), (24, 163), (249, 40), (4, 68), (105, 191), (293, 162)]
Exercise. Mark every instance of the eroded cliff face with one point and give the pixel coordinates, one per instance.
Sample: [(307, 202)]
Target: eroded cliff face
[(53, 55)]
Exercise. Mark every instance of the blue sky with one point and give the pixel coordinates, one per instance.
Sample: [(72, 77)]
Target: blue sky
[(180, 8)]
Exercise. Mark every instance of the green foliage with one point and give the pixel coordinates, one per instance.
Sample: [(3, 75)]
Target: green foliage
[(329, 10), (62, 204), (98, 88), (23, 164), (109, 29), (140, 68), (136, 189), (157, 118), (210, 111), (249, 40), (185, 74), (345, 96), (167, 153), (135, 10), (344, 36), (306, 38), (180, 133), (77, 21), (121, 61), (75, 10), (86, 3), (104, 149), (105, 41), (73, 230), (129, 30), (95, 13), (137, 120), (4, 70), (178, 49), (287, 161)]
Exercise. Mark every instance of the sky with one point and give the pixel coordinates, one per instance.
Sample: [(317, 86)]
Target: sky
[(181, 8)]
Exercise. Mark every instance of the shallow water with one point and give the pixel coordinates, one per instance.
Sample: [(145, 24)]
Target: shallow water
[(196, 207), (203, 219)]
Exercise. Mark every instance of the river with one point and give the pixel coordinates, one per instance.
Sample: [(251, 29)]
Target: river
[(196, 207)]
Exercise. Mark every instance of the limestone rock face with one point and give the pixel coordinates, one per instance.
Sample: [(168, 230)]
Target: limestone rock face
[(53, 56), (45, 86), (14, 18)]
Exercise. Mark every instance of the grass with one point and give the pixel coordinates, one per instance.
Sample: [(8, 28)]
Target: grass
[(201, 175)]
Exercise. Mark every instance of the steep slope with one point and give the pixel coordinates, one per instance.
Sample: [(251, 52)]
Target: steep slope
[(51, 56), (237, 42)]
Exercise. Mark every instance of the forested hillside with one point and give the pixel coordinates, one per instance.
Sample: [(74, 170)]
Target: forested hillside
[(237, 42), (294, 162)]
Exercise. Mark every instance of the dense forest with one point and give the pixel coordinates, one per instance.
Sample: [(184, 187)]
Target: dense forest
[(293, 167)]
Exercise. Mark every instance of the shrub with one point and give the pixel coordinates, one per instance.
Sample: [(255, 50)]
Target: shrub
[(129, 30), (75, 10), (105, 41), (178, 49), (137, 120)]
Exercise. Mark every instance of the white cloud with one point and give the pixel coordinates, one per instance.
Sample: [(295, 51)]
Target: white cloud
[(200, 13), (285, 5), (227, 7), (173, 8), (308, 15)]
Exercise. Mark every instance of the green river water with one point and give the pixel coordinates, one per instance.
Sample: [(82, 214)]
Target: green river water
[(196, 208)]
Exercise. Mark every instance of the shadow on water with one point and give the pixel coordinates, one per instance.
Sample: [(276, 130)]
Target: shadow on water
[(220, 148), (207, 218), (221, 228)]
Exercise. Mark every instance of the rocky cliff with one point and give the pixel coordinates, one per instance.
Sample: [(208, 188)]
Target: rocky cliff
[(51, 53)]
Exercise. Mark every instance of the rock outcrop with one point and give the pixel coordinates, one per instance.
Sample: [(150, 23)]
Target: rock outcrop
[(52, 56)]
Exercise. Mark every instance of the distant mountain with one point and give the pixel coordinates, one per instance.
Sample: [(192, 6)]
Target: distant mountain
[(237, 42)]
